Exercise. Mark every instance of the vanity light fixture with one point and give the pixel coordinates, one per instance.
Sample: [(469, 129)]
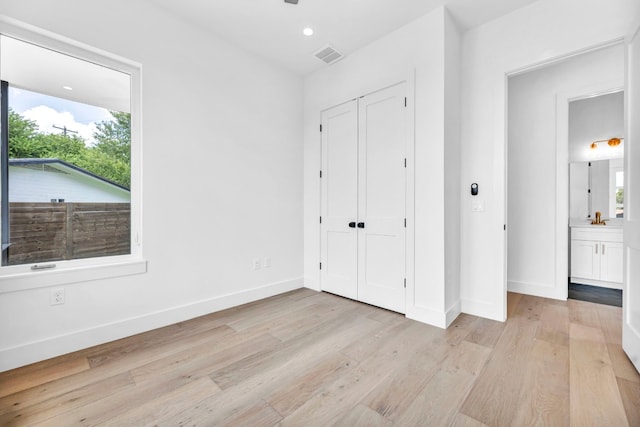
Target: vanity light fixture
[(613, 142)]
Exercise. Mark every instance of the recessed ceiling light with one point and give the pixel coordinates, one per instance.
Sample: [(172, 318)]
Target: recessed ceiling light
[(307, 31), (67, 88)]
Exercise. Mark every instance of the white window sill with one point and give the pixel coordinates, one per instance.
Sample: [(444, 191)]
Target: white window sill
[(21, 281)]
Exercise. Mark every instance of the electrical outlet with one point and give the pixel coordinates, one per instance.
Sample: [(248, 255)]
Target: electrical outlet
[(57, 296), (267, 262), (256, 263)]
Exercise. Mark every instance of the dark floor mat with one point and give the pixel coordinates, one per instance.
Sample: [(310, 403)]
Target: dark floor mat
[(595, 294)]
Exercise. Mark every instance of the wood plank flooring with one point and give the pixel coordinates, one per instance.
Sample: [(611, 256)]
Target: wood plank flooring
[(314, 359)]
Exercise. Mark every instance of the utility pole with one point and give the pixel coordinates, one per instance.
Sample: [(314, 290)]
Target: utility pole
[(65, 130)]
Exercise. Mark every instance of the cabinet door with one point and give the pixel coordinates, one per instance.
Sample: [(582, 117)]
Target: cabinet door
[(585, 259), (611, 262)]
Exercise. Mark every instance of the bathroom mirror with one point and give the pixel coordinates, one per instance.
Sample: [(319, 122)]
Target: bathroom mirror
[(596, 186)]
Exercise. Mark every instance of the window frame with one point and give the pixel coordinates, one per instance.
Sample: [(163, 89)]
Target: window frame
[(21, 277)]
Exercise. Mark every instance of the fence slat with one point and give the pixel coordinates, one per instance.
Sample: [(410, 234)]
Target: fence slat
[(42, 232)]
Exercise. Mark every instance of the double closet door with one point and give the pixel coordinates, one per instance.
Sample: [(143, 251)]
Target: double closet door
[(363, 220)]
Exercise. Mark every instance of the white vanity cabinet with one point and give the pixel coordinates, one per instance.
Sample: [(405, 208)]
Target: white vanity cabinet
[(596, 256)]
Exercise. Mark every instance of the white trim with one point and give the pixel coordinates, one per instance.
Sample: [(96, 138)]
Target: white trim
[(481, 309), (312, 283), (39, 279), (410, 196), (100, 267), (543, 290), (428, 316), (35, 351), (453, 312), (593, 282)]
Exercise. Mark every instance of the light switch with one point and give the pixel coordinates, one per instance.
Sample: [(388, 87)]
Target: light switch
[(477, 206)]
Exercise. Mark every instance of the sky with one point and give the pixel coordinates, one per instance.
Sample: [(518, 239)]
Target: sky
[(48, 111)]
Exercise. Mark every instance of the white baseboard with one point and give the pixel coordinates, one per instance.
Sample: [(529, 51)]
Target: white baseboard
[(538, 290), (36, 351), (312, 283), (601, 283), (428, 316), (453, 313), (481, 309)]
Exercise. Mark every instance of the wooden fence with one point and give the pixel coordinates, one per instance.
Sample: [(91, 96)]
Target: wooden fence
[(41, 232)]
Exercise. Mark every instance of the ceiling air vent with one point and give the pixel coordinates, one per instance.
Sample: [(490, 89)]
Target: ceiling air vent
[(328, 55)]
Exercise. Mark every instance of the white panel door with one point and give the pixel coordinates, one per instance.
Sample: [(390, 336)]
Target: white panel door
[(631, 287), (339, 204), (381, 206)]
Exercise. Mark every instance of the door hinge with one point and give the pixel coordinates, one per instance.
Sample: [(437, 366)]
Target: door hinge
[(320, 127), (405, 223), (320, 174), (320, 220), (320, 266), (405, 101), (405, 283), (405, 162), (504, 227)]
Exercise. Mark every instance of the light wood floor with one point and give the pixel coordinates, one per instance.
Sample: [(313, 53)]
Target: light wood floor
[(314, 359)]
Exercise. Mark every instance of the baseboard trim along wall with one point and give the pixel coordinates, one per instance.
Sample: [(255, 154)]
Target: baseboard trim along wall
[(312, 283), (481, 309), (28, 353), (428, 316), (538, 290)]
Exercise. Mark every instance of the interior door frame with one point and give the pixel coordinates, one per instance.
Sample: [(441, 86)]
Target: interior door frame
[(409, 80), (561, 222), (630, 334), (562, 174)]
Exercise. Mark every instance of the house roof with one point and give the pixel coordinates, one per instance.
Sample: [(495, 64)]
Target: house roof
[(61, 165)]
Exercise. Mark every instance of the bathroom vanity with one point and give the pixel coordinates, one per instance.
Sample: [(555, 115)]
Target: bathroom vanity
[(596, 255)]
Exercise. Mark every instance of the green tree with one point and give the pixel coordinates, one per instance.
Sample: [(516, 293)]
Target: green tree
[(620, 196), (108, 158), (114, 136), (22, 137)]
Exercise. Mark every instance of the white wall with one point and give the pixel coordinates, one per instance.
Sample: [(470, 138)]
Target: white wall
[(222, 169), (596, 119), (417, 47), (536, 33), (532, 151)]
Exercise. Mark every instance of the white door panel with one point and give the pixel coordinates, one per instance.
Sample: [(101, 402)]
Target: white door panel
[(339, 204), (381, 206), (364, 183), (631, 287)]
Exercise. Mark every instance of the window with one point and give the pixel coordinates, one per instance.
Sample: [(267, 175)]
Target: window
[(619, 194), (68, 160)]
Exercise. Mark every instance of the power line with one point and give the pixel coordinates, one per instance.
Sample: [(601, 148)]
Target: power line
[(65, 130)]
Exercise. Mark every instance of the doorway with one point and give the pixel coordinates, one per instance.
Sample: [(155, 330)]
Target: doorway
[(538, 211)]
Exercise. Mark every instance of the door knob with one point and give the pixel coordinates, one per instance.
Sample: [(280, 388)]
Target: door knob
[(361, 225), (352, 224)]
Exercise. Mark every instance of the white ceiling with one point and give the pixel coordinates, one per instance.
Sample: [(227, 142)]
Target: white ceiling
[(272, 29), (22, 65)]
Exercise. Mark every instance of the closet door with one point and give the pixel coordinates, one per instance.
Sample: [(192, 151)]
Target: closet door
[(339, 204), (382, 195)]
